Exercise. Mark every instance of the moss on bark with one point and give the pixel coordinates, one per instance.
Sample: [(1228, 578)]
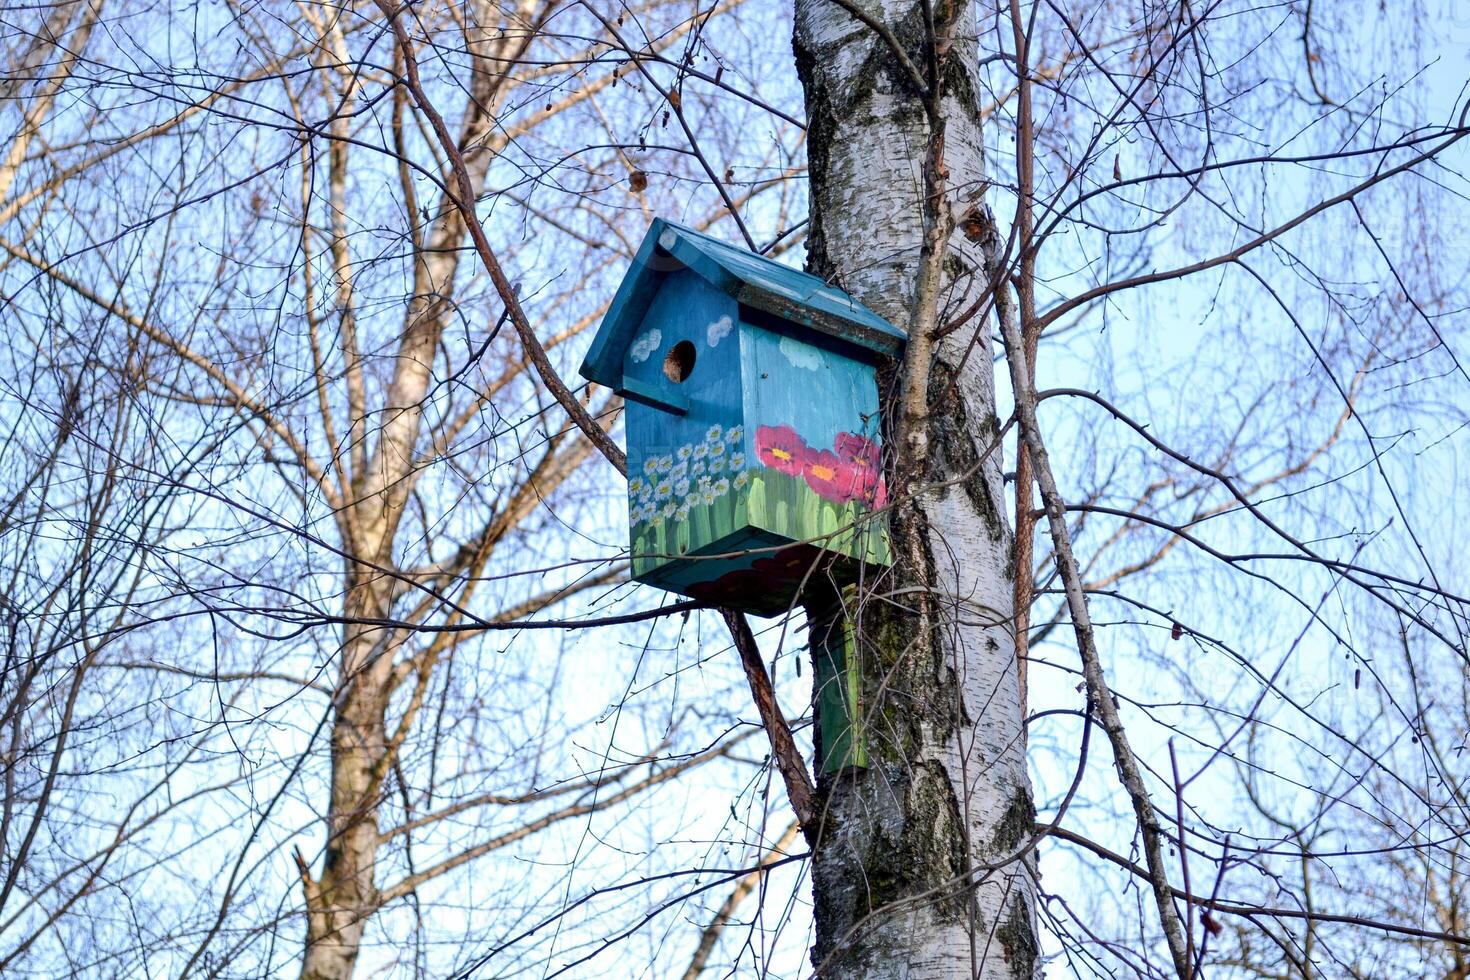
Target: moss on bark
[(889, 872)]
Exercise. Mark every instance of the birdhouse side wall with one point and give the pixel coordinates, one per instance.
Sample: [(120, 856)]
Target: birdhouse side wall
[(812, 491), (813, 430)]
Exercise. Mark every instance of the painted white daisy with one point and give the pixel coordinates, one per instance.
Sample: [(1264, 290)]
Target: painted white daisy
[(681, 488), (650, 465), (697, 468), (635, 485), (683, 512), (722, 487), (717, 449), (734, 434), (742, 479), (700, 452), (665, 463), (737, 461), (662, 491), (679, 471), (684, 451), (708, 495), (669, 509), (716, 433), (656, 521), (646, 494)]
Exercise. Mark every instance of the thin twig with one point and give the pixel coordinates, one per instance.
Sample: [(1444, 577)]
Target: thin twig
[(784, 754), (742, 890), (1097, 685)]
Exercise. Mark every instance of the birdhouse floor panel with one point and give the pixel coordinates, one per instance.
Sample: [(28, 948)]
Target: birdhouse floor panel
[(756, 572), (765, 530)]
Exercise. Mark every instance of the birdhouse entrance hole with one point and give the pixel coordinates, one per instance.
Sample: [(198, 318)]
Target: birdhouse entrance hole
[(679, 362)]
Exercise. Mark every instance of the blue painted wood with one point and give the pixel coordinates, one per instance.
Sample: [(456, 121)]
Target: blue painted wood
[(761, 464), (783, 291), (624, 313), (654, 396), (807, 385), (751, 279)]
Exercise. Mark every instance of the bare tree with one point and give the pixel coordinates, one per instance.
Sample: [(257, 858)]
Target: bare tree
[(317, 418), (320, 653)]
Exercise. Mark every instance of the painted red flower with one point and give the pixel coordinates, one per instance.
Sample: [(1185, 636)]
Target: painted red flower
[(834, 479), (769, 579), (859, 450), (880, 495), (863, 456), (737, 588), (780, 448)]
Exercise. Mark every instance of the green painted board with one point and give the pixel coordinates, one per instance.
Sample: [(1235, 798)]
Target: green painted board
[(837, 697)]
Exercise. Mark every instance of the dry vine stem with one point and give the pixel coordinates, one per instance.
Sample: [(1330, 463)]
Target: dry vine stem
[(1024, 585), (1099, 696)]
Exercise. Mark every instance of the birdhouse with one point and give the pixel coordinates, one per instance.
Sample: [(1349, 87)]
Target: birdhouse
[(754, 453)]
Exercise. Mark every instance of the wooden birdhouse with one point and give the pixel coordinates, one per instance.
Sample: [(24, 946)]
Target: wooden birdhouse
[(752, 422)]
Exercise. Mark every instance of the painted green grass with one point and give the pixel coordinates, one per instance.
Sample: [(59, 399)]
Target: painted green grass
[(774, 501)]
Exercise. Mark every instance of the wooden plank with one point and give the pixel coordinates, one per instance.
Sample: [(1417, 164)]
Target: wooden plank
[(834, 650), (652, 395)]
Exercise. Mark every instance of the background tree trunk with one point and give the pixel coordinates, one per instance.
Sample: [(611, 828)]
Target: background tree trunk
[(946, 791)]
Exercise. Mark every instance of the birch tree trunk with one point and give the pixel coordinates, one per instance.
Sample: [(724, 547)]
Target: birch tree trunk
[(902, 872)]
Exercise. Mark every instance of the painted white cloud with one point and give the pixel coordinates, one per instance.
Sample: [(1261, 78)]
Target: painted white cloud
[(804, 356), (719, 330), (646, 345)]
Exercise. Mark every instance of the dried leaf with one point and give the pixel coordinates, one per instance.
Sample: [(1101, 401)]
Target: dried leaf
[(675, 99), (638, 182), (973, 224)]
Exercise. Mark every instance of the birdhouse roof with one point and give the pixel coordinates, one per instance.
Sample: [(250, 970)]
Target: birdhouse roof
[(751, 279)]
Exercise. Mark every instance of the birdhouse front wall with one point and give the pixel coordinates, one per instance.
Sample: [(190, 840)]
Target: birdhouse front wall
[(762, 461), (685, 456)]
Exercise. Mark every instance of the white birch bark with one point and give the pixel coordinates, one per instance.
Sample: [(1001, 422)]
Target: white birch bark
[(946, 791)]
